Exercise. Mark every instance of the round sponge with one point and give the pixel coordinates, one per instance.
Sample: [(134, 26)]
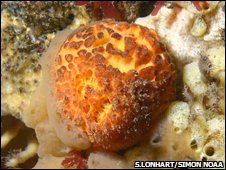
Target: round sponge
[(112, 80)]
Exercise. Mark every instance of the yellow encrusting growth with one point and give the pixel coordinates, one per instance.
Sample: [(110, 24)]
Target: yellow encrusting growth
[(192, 76), (178, 113), (10, 134), (21, 157)]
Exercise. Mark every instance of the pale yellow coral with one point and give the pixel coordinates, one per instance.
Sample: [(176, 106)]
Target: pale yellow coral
[(216, 55), (178, 113), (98, 160), (192, 76)]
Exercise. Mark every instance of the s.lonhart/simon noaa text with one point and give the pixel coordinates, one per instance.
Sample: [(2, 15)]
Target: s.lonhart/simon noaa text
[(178, 164)]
